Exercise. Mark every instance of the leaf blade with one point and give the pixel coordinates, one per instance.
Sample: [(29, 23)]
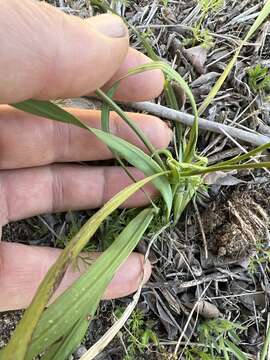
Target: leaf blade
[(258, 22), (17, 347), (93, 282)]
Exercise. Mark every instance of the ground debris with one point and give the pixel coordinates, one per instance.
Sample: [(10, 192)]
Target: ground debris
[(234, 228)]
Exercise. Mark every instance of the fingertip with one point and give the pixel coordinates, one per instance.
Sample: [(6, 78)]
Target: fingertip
[(134, 271), (109, 25), (159, 132), (81, 56), (155, 129), (144, 86), (147, 270)]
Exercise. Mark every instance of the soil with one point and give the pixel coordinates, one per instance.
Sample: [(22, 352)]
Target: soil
[(234, 228)]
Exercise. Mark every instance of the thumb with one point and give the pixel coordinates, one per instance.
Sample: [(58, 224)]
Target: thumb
[(46, 54)]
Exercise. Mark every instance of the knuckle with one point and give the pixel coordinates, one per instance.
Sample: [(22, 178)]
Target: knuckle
[(57, 190), (4, 208)]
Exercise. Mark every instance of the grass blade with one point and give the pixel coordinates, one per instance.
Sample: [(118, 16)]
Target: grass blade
[(258, 22), (113, 331), (172, 103), (247, 155), (82, 298), (105, 121), (129, 152), (50, 111), (140, 160), (214, 168), (173, 75), (65, 347), (105, 125), (235, 350), (17, 347)]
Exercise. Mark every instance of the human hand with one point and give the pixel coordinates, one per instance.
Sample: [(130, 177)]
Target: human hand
[(46, 54)]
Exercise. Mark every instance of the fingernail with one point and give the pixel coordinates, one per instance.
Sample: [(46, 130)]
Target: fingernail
[(109, 25)]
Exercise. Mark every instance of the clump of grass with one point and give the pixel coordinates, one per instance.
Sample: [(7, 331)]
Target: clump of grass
[(200, 34), (209, 6), (201, 37), (218, 340), (259, 79)]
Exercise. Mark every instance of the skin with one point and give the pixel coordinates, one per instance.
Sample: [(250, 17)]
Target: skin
[(46, 54)]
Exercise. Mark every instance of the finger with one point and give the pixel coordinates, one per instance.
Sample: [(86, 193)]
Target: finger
[(22, 269), (145, 86), (27, 140), (46, 53), (55, 188)]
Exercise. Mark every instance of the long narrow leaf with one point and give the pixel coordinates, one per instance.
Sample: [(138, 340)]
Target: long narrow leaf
[(17, 347), (139, 159), (193, 137), (66, 346), (214, 168), (260, 19), (81, 299), (129, 152), (246, 156), (119, 111), (50, 111), (105, 125), (235, 350)]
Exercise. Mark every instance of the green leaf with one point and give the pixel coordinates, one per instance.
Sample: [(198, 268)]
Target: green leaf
[(49, 110), (105, 125), (105, 117), (238, 353), (211, 169), (21, 339), (62, 349), (140, 160), (82, 298), (258, 22), (173, 75), (129, 152), (172, 102), (246, 156), (182, 197)]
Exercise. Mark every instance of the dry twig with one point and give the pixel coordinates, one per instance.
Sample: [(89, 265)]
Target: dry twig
[(187, 119)]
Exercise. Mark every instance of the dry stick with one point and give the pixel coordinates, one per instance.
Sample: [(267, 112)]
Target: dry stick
[(187, 120)]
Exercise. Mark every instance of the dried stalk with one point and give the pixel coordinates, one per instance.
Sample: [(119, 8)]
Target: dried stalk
[(186, 119)]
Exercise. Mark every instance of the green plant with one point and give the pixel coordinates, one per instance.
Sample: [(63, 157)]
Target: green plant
[(57, 331), (208, 6), (261, 256), (218, 340), (259, 78), (72, 230), (200, 35), (139, 334)]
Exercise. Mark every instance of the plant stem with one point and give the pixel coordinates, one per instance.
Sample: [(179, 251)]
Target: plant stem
[(133, 126), (266, 346)]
